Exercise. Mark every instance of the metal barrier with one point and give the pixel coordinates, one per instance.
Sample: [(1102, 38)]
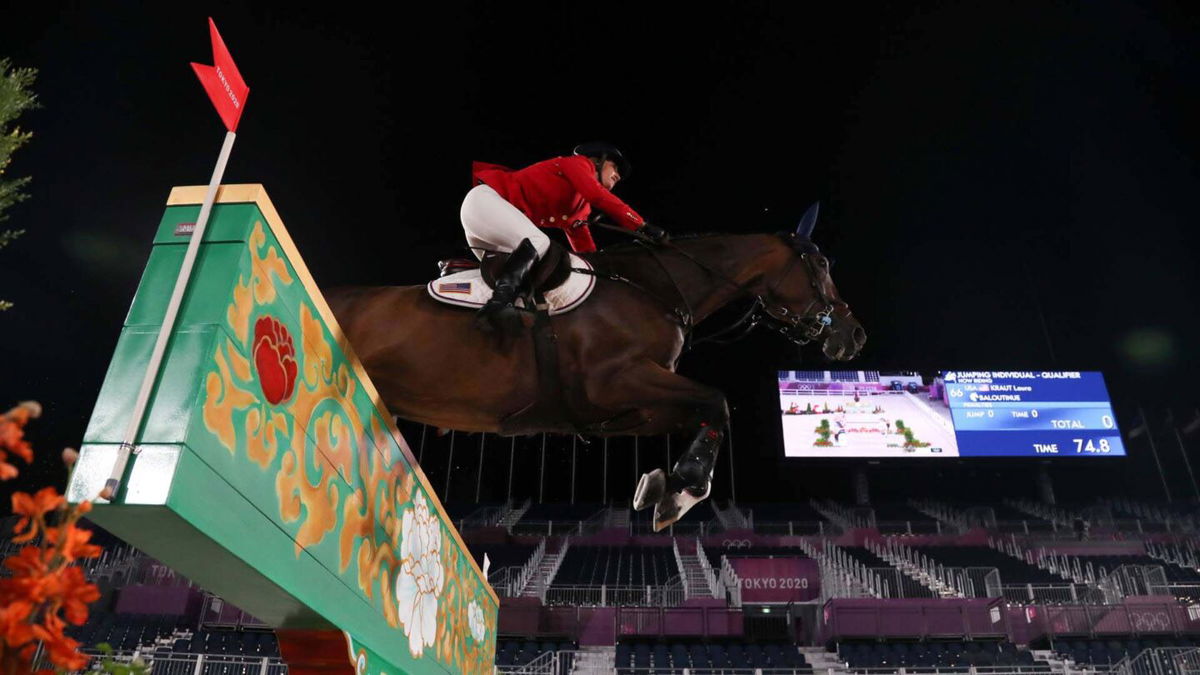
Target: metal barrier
[(701, 528), (550, 663), (669, 594), (1188, 592), (547, 528), (792, 528), (671, 670), (728, 583), (650, 622), (217, 613), (1065, 593), (958, 669), (178, 664), (1167, 618), (1162, 661), (689, 670), (909, 526)]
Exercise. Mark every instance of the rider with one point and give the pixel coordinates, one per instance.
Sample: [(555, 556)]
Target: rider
[(505, 209)]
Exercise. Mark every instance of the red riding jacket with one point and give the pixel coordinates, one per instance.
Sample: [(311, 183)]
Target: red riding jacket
[(560, 193)]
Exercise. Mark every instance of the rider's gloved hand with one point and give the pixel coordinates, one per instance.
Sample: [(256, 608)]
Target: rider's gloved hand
[(653, 232)]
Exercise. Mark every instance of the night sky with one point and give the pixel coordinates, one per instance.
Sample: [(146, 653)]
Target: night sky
[(1012, 187)]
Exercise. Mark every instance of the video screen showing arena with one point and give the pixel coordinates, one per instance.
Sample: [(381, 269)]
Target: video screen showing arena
[(857, 413)]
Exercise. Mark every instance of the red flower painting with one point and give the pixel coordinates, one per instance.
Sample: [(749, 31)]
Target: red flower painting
[(274, 359)]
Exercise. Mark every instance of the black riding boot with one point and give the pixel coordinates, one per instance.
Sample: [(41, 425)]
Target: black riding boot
[(499, 314)]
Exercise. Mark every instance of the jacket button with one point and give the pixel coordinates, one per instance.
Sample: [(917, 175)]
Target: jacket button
[(552, 219)]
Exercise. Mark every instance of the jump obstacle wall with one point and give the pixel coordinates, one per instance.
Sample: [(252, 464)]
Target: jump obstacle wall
[(268, 470)]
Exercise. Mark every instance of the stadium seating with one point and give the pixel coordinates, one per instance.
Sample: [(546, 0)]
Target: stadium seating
[(779, 513), (1105, 652), (502, 555), (563, 512), (674, 657), (715, 554), (1012, 571), (909, 587), (521, 652), (617, 566), (641, 579), (1174, 573), (943, 656), (459, 510)]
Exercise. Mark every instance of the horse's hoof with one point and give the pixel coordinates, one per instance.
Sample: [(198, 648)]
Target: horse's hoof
[(650, 490), (672, 507)]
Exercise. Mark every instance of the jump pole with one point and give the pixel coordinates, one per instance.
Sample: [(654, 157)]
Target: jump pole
[(228, 92)]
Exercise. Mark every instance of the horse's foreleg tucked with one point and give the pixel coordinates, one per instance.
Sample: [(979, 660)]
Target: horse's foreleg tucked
[(678, 402)]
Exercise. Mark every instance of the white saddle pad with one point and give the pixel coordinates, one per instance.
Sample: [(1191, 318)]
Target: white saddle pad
[(466, 289)]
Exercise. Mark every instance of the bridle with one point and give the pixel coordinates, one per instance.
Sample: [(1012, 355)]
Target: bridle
[(803, 327), (800, 328)]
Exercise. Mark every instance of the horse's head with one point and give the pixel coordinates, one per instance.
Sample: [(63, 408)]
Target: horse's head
[(800, 300)]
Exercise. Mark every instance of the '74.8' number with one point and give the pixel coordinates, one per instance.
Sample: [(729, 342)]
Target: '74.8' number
[(1080, 446)]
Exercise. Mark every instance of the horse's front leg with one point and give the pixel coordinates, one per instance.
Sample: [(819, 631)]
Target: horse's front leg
[(674, 402)]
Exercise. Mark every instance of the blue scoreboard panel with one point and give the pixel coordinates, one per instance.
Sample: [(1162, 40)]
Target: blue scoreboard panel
[(1031, 414)]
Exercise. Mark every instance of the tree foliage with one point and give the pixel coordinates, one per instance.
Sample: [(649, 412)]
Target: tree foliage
[(16, 97)]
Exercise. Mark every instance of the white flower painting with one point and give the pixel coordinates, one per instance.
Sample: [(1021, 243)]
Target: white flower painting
[(475, 620), (421, 577)]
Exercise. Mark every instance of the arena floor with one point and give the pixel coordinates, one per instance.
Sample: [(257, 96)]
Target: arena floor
[(868, 433)]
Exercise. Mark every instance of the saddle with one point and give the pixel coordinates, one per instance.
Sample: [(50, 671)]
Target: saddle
[(550, 272), (560, 281)]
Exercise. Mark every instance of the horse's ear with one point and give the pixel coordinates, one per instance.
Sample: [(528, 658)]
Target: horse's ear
[(809, 221)]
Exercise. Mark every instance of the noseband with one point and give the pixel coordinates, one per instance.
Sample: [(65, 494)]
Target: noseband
[(801, 328)]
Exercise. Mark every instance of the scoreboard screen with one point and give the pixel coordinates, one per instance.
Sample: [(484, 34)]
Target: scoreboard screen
[(955, 413)]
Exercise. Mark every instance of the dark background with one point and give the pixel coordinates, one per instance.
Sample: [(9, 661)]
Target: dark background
[(1010, 187)]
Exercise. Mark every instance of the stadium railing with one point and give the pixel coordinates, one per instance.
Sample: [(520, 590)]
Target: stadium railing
[(696, 528), (550, 663), (174, 664), (728, 584), (1050, 593), (710, 575), (511, 581), (909, 526), (651, 622), (841, 576), (960, 669), (1160, 661), (670, 594), (690, 670), (216, 613), (488, 516), (547, 528)]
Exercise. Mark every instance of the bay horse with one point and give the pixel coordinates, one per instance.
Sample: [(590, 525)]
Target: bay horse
[(616, 353)]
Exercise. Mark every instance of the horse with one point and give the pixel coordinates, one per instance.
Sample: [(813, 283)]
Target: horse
[(615, 355)]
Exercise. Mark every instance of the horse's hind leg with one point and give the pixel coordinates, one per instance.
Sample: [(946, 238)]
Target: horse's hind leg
[(673, 401)]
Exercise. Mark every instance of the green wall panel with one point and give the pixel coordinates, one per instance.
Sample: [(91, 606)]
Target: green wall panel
[(265, 472)]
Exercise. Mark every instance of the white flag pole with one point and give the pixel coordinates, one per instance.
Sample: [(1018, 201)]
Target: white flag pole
[(168, 324)]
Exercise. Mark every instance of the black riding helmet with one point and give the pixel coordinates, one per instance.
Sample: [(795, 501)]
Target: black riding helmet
[(600, 150)]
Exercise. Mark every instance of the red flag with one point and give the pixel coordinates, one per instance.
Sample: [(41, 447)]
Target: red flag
[(223, 82)]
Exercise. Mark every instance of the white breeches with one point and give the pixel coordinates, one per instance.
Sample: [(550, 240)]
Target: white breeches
[(493, 224)]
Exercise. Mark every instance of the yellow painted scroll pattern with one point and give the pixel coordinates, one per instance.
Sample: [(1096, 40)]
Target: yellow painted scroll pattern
[(331, 477)]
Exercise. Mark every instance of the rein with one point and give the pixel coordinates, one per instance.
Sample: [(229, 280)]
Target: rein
[(800, 328)]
